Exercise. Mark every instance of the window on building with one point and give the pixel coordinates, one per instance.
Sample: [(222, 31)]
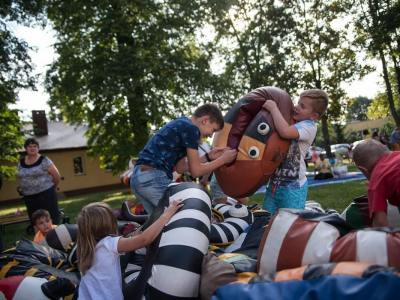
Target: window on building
[(78, 166)]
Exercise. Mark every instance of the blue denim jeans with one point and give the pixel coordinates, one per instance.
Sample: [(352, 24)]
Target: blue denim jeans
[(285, 197), (149, 186), (215, 189)]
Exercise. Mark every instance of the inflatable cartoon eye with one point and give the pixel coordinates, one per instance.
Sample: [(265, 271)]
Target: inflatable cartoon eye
[(238, 211), (263, 128), (253, 152)]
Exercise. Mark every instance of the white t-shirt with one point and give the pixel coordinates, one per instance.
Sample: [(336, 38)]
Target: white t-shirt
[(292, 171), (203, 149), (103, 279)]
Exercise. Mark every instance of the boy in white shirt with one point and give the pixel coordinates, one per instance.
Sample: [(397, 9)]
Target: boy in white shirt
[(287, 188)]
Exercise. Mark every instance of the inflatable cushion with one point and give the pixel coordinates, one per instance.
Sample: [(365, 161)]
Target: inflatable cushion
[(237, 218), (315, 271), (371, 245), (62, 237), (172, 266), (379, 286), (20, 288), (293, 239), (250, 129), (357, 214)]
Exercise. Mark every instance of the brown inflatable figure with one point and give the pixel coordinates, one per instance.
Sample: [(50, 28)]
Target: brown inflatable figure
[(250, 129)]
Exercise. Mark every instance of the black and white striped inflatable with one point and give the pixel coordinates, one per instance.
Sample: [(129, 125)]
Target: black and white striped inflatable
[(237, 218), (63, 237), (172, 266)]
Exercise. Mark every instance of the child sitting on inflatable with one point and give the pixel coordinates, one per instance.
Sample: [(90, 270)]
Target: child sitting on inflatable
[(99, 249), (287, 188), (42, 223), (382, 167), (179, 138)]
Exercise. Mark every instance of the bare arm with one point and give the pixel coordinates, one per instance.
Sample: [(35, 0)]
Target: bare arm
[(183, 164), (198, 168), (53, 171), (284, 129), (380, 219), (144, 239)]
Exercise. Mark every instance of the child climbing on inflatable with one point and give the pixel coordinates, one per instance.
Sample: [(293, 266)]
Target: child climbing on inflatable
[(99, 248), (382, 167), (175, 140), (287, 188)]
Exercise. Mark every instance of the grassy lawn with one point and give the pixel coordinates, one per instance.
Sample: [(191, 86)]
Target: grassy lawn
[(336, 196), (71, 207)]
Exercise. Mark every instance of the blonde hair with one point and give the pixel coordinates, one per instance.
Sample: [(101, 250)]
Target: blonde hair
[(95, 221), (367, 152), (320, 100)]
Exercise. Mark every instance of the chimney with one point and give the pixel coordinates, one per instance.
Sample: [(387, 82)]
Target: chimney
[(39, 122)]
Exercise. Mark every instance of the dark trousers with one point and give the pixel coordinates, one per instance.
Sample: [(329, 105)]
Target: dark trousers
[(44, 200), (322, 176)]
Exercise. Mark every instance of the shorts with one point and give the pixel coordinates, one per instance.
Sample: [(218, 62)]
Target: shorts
[(285, 197)]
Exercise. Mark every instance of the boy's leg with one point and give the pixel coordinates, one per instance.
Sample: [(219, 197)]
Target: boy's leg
[(292, 197), (217, 194), (48, 200), (149, 186), (269, 203), (31, 204)]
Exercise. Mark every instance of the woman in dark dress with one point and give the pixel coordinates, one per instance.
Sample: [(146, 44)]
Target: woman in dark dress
[(39, 178)]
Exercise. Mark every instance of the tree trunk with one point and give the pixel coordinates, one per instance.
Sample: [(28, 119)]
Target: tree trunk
[(389, 91), (325, 134), (324, 124), (138, 118), (397, 73)]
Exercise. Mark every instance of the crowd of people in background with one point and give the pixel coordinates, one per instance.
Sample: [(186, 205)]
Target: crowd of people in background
[(392, 141)]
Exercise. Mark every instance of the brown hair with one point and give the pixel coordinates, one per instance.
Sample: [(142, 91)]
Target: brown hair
[(211, 110), (30, 141), (367, 152), (38, 214), (95, 221), (320, 100)]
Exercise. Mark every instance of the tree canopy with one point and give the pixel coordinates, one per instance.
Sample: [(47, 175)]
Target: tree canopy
[(124, 67), (378, 24), (327, 53), (255, 39), (15, 73), (357, 109)]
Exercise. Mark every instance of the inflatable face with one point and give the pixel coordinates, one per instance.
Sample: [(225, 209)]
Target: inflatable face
[(250, 129)]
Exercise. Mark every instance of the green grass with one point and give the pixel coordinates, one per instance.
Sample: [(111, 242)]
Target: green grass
[(337, 196), (71, 206)]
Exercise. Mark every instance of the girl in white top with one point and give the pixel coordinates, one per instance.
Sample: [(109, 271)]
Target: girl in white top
[(99, 249)]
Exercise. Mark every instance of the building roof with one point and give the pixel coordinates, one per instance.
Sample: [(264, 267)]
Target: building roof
[(62, 136), (370, 124)]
